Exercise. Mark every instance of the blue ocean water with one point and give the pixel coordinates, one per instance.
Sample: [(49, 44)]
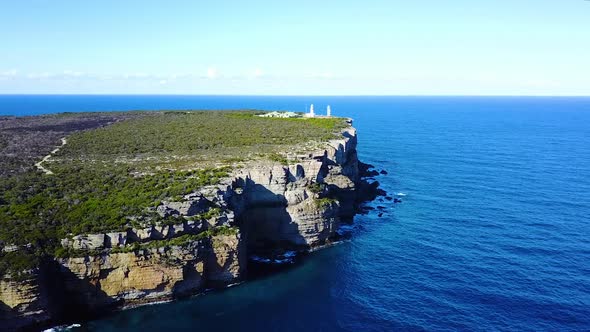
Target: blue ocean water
[(492, 235)]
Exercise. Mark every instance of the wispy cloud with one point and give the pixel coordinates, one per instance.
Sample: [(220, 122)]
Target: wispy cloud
[(64, 75), (38, 76), (72, 73), (212, 73), (320, 75), (12, 73), (140, 76)]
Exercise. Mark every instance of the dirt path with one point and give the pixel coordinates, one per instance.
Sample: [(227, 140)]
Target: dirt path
[(45, 170)]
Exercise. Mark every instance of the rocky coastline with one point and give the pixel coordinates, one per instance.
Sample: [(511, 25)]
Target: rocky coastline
[(265, 211)]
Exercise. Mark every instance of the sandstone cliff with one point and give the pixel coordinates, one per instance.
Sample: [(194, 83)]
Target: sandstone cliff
[(264, 207), (23, 302)]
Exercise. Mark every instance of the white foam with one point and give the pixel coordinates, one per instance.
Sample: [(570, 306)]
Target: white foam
[(137, 305), (287, 257), (260, 259), (335, 243), (62, 328), (290, 254)]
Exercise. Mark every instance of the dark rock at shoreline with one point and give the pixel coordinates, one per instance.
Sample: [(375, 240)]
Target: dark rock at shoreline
[(367, 170), (267, 212)]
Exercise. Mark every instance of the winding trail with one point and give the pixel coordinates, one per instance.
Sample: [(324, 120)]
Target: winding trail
[(54, 151)]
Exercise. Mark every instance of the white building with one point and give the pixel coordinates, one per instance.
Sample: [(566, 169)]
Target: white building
[(328, 111), (311, 113)]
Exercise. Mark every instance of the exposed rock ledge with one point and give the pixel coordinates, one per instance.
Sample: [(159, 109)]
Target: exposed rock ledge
[(268, 206)]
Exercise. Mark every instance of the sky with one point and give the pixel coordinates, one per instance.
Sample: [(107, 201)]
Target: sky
[(370, 47)]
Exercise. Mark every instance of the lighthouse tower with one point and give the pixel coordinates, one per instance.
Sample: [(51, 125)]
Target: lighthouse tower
[(311, 113), (328, 111)]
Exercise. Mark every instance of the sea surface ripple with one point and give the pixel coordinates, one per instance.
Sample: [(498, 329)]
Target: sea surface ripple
[(492, 235)]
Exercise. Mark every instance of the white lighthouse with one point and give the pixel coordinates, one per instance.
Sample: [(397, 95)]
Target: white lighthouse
[(311, 113), (328, 111)]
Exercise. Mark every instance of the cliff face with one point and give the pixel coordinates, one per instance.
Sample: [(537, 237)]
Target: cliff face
[(264, 207), (154, 274), (22, 303), (299, 206)]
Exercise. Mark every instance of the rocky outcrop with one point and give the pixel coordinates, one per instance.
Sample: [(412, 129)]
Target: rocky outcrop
[(299, 205), (23, 303), (147, 275), (263, 206), (225, 262), (191, 205), (85, 242)]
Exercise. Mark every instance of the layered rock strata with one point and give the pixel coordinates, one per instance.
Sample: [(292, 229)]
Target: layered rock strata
[(264, 206)]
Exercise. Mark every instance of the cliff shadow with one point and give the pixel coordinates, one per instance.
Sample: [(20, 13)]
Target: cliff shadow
[(73, 299), (11, 319), (265, 222)]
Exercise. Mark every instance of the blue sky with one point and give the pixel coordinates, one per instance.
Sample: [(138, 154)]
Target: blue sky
[(418, 47)]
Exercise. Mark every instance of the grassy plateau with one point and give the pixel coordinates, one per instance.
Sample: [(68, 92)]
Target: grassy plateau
[(116, 167)]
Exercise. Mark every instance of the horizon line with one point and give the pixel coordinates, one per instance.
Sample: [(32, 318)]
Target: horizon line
[(293, 95)]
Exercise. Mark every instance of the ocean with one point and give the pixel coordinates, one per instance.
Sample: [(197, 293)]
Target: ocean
[(493, 233)]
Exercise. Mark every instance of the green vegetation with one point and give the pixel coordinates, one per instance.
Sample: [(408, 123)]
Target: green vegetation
[(279, 158), (108, 178), (325, 202), (79, 199), (211, 213), (316, 187), (321, 201), (18, 264), (3, 142), (201, 134)]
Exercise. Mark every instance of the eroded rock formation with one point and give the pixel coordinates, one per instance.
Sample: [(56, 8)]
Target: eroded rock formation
[(264, 206)]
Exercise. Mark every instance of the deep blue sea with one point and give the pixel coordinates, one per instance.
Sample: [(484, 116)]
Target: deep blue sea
[(492, 235)]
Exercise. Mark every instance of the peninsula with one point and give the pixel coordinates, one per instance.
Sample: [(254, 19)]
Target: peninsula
[(107, 210)]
